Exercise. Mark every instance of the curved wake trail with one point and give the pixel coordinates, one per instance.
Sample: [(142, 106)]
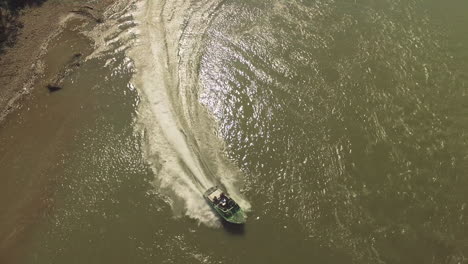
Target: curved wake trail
[(164, 114), (168, 148)]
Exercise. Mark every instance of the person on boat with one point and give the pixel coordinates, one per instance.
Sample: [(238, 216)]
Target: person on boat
[(215, 200), (223, 200)]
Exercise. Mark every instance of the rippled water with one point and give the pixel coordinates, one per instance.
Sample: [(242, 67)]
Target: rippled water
[(340, 125), (348, 114)]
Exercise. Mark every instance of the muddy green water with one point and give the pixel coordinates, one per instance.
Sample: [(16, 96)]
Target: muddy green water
[(341, 125)]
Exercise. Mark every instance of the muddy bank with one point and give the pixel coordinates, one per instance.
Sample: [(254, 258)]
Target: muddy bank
[(29, 34)]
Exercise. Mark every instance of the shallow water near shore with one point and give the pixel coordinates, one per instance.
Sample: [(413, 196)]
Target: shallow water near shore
[(340, 126)]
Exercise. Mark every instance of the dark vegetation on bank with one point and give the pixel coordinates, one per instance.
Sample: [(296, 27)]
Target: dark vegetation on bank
[(10, 10)]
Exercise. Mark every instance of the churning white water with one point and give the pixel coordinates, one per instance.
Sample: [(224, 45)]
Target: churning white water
[(167, 111)]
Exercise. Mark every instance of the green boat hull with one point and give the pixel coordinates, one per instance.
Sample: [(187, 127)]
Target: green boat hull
[(230, 212), (238, 217)]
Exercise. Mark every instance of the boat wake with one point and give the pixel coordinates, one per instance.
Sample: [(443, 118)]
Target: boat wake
[(179, 142)]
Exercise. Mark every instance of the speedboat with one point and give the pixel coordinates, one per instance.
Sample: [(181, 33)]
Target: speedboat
[(225, 206)]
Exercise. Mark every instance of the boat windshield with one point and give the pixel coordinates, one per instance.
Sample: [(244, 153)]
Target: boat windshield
[(229, 206), (223, 202)]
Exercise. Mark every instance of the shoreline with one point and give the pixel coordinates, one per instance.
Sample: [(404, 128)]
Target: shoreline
[(22, 65)]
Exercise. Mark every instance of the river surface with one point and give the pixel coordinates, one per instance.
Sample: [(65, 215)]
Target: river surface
[(340, 126)]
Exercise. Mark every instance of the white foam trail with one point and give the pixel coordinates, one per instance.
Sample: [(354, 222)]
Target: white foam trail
[(174, 160), (167, 109), (155, 80), (166, 112)]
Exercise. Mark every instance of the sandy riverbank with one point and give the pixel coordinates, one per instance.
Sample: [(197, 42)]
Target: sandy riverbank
[(21, 64)]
